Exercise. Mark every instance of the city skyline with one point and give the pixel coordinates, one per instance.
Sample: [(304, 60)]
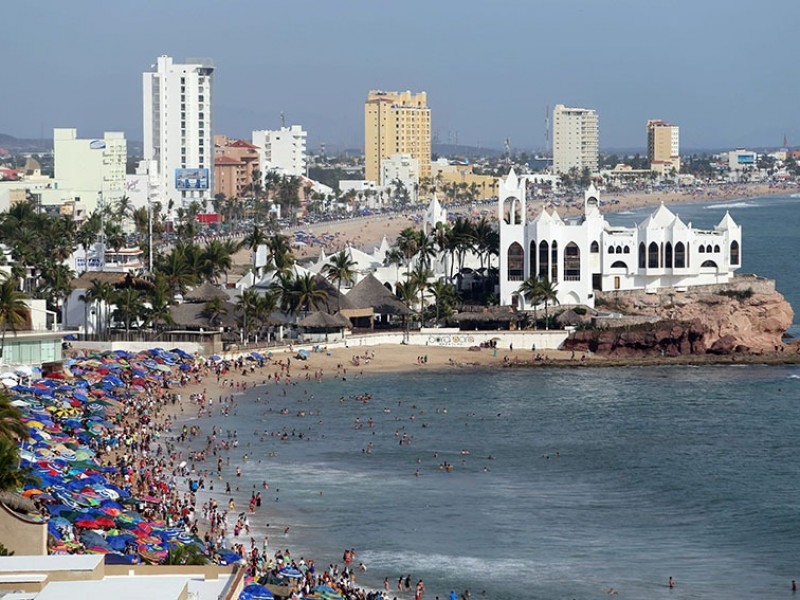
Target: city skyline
[(490, 70)]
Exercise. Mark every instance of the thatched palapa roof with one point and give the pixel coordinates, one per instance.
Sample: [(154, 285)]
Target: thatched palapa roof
[(485, 315), (205, 292), (371, 293), (18, 503), (323, 320)]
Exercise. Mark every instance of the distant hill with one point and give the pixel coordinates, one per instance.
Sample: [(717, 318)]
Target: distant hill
[(24, 145)]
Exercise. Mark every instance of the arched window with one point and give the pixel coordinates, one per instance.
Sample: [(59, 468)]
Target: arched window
[(572, 262), (680, 256), (701, 249), (618, 264), (619, 249), (626, 250), (716, 248), (642, 256), (709, 264), (652, 256), (544, 259), (734, 252), (708, 249), (388, 286), (611, 250), (554, 262), (594, 248), (532, 257), (668, 256), (512, 211), (516, 262)]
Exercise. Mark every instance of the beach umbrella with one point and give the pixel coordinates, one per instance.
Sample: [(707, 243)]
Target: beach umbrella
[(24, 371), (215, 357), (255, 592), (291, 573), (9, 375)]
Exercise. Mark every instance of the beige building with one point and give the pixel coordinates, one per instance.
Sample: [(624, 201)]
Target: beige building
[(575, 139), (663, 146), (396, 123)]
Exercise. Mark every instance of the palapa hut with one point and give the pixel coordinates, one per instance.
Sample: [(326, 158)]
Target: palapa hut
[(321, 326), (206, 292), (22, 528), (476, 318), (371, 294)]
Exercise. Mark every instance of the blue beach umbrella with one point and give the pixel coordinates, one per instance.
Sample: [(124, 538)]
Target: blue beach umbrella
[(256, 592)]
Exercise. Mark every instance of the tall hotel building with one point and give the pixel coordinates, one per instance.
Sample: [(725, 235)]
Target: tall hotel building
[(575, 139), (177, 129), (396, 123), (663, 146)]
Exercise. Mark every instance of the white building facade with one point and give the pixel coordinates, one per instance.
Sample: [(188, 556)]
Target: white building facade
[(282, 150), (575, 139), (402, 167), (177, 129), (91, 168), (585, 254)]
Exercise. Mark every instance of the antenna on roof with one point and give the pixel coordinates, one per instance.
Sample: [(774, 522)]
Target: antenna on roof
[(283, 119), (507, 151)]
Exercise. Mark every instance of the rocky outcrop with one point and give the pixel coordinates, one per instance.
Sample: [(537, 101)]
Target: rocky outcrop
[(746, 315)]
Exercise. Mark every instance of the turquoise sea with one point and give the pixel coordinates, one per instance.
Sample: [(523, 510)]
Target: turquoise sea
[(598, 478)]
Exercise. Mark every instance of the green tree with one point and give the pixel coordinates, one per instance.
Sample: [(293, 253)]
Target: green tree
[(13, 309), (340, 269), (128, 303)]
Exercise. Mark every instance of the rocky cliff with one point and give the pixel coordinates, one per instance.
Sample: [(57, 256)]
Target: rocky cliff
[(746, 315)]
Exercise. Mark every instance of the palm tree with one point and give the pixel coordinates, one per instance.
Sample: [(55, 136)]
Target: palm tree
[(11, 426), (419, 279), (255, 239), (11, 476), (426, 248), (184, 554), (216, 260), (214, 310), (408, 243), (531, 290), (100, 292), (394, 257), (444, 294), (246, 303), (13, 309), (340, 269), (548, 294), (308, 295), (128, 304)]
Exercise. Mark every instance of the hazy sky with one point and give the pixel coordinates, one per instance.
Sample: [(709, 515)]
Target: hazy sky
[(725, 71)]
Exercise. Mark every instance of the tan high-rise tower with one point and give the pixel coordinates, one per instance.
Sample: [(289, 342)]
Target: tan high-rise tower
[(663, 146), (396, 123)]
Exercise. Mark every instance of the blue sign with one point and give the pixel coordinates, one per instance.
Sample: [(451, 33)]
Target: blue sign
[(191, 179), (97, 144)]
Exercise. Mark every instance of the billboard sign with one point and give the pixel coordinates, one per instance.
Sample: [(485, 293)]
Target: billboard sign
[(745, 159), (191, 179)]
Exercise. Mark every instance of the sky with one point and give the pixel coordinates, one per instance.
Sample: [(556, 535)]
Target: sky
[(724, 71)]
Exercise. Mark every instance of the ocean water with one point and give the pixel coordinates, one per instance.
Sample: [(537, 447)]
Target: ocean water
[(598, 478)]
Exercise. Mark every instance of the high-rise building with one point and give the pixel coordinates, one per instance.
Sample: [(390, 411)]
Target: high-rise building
[(663, 146), (396, 123), (575, 139), (282, 150), (177, 129), (92, 169)]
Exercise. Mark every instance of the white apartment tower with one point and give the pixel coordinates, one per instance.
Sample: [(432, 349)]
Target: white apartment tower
[(177, 129), (282, 150), (575, 139)]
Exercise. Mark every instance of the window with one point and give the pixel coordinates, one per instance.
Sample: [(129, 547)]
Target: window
[(532, 257), (616, 282), (708, 249), (618, 264), (701, 249), (668, 256), (516, 262), (626, 250), (642, 256), (594, 248), (611, 250), (710, 264), (572, 262), (652, 256), (734, 252), (554, 262), (716, 248), (680, 256), (511, 211), (544, 259)]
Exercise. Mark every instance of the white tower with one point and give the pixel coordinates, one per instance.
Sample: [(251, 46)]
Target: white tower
[(511, 219), (177, 129)]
